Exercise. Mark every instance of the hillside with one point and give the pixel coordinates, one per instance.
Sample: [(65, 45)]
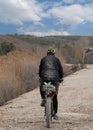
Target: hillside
[(52, 39), (24, 41), (20, 44)]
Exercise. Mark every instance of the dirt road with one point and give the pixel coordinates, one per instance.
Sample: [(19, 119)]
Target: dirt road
[(75, 107)]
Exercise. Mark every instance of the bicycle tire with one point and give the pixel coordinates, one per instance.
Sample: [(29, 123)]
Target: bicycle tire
[(48, 112)]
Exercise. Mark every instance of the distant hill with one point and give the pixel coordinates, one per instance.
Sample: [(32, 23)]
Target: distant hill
[(18, 42), (24, 41), (52, 39), (28, 42)]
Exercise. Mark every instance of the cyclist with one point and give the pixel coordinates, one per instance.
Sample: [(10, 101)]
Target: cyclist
[(50, 69)]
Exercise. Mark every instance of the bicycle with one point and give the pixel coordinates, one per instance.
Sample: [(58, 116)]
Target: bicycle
[(49, 90)]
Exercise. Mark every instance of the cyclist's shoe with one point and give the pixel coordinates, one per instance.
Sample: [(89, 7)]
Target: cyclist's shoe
[(55, 117), (43, 103)]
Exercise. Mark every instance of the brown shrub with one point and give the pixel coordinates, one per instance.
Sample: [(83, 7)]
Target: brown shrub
[(18, 74)]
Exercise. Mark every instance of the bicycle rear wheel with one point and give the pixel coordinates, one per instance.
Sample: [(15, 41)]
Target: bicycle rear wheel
[(48, 112)]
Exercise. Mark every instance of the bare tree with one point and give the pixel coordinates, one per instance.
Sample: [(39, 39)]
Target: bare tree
[(80, 50)]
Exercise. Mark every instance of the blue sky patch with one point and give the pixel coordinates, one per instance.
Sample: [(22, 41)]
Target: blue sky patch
[(46, 17)]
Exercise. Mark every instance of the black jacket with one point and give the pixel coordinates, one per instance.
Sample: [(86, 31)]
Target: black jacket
[(50, 68)]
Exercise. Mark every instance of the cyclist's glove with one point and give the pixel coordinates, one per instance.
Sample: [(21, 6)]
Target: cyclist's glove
[(61, 80)]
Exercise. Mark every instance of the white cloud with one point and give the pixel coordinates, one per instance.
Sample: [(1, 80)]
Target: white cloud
[(32, 30), (48, 33), (18, 11), (73, 14)]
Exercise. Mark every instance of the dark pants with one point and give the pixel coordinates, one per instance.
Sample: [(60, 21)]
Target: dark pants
[(55, 100)]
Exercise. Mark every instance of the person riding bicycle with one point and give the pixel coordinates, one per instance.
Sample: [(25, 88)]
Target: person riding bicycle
[(50, 69)]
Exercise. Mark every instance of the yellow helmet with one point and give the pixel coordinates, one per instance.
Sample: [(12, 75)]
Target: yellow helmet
[(51, 50)]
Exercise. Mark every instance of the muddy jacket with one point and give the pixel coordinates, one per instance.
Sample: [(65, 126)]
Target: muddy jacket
[(50, 68)]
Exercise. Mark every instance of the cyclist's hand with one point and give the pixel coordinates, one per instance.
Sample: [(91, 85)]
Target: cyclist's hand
[(61, 80)]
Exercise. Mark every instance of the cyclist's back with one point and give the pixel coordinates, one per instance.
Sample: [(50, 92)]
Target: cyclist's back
[(49, 69)]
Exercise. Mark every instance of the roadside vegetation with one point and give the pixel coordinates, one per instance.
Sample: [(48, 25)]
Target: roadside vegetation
[(6, 48)]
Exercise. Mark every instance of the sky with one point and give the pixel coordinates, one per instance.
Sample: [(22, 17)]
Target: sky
[(46, 17)]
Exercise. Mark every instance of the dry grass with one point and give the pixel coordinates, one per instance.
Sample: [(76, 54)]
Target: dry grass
[(18, 74)]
